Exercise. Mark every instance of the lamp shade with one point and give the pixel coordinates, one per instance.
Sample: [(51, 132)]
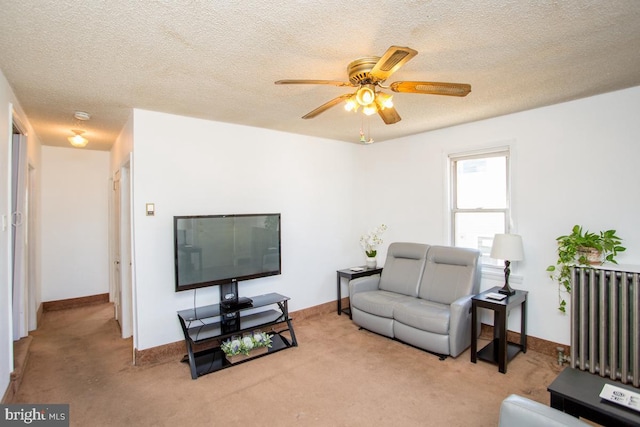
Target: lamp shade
[(507, 247), (365, 95)]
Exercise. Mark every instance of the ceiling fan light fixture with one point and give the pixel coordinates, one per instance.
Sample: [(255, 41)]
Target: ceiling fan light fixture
[(384, 100), (370, 109), (351, 104), (367, 75), (78, 140), (366, 95)]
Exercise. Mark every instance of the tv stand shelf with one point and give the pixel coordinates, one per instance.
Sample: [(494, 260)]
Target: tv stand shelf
[(208, 326)]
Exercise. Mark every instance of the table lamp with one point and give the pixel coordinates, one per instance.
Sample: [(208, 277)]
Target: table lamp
[(509, 248)]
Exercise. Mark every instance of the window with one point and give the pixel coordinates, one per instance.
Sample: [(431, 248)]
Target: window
[(480, 200)]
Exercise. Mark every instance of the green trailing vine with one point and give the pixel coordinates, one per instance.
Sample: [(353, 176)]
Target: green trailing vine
[(573, 249)]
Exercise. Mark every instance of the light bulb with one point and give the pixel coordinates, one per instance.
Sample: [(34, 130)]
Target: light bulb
[(78, 140), (365, 95), (384, 100), (369, 109), (350, 105)]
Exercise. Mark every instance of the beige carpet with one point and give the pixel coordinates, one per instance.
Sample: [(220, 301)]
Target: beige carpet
[(338, 376)]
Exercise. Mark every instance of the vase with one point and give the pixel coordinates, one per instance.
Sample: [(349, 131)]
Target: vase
[(371, 262), (592, 255)]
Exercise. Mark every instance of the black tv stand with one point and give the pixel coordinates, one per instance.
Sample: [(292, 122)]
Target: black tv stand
[(207, 327)]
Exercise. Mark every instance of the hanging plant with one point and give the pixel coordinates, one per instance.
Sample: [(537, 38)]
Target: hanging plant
[(582, 249)]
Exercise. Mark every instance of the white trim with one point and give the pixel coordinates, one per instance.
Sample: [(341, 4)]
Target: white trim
[(498, 275), (482, 152)]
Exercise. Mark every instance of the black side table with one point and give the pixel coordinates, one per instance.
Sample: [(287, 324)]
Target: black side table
[(499, 350), (349, 274)]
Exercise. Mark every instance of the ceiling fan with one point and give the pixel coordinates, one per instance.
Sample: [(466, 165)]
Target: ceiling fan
[(368, 75)]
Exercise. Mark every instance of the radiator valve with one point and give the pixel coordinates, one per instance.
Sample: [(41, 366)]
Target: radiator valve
[(561, 357)]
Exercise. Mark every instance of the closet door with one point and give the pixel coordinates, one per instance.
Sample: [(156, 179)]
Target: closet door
[(19, 235)]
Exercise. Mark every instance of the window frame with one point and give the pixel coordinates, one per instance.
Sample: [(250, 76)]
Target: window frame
[(453, 159)]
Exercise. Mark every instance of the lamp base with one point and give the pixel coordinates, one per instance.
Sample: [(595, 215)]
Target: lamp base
[(506, 290)]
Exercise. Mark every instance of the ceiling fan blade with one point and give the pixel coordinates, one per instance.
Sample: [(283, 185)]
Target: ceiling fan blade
[(432, 88), (394, 58), (326, 106), (313, 82), (389, 115)]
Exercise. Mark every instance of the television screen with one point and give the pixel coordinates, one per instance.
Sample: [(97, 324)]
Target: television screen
[(220, 249)]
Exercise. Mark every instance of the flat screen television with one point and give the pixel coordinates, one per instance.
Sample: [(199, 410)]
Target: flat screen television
[(224, 249)]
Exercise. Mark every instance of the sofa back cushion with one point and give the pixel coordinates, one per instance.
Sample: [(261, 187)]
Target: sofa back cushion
[(450, 273), (403, 268)]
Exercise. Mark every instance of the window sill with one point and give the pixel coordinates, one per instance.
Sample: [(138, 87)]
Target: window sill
[(497, 274)]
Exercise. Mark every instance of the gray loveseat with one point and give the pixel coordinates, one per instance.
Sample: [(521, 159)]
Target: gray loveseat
[(422, 297)]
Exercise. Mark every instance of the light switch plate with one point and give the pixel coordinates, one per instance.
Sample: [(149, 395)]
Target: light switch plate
[(151, 209)]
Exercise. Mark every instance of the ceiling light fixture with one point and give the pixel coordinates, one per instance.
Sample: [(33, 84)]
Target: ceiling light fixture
[(351, 104), (366, 94), (383, 100), (369, 99), (370, 110), (77, 140)]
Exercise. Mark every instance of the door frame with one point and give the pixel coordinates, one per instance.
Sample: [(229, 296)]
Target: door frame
[(26, 318)]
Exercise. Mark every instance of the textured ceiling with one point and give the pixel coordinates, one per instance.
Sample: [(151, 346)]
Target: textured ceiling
[(218, 60)]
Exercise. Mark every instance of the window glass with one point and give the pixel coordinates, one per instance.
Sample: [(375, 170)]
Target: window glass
[(476, 230), (479, 200), (481, 183)]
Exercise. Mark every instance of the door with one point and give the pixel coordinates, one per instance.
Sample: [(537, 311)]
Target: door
[(115, 267), (121, 290), (19, 221), (34, 295), (126, 294)]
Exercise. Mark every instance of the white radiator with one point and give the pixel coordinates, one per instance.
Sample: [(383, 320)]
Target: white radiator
[(605, 323)]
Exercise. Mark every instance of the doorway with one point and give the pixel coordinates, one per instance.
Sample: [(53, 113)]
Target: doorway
[(22, 251), (122, 280)]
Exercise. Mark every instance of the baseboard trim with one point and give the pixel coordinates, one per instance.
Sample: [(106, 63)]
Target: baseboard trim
[(65, 304), (39, 313), (177, 349), (21, 352)]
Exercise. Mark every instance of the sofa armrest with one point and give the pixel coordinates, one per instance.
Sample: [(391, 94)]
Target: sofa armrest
[(519, 411), (362, 284), (460, 325)]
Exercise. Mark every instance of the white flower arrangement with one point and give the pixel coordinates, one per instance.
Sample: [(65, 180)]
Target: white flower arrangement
[(243, 345), (371, 240)]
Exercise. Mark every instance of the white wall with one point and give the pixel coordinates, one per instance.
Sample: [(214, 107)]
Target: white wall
[(188, 167), (122, 147), (75, 197), (572, 163)]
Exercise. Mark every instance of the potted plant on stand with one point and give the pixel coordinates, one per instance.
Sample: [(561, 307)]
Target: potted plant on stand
[(237, 348), (370, 242), (582, 248)]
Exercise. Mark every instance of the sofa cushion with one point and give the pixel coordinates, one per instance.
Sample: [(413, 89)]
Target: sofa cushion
[(422, 314), (403, 268), (450, 273), (380, 303)]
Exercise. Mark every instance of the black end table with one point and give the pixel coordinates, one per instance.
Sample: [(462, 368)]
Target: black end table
[(577, 393), (499, 350), (350, 274)]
